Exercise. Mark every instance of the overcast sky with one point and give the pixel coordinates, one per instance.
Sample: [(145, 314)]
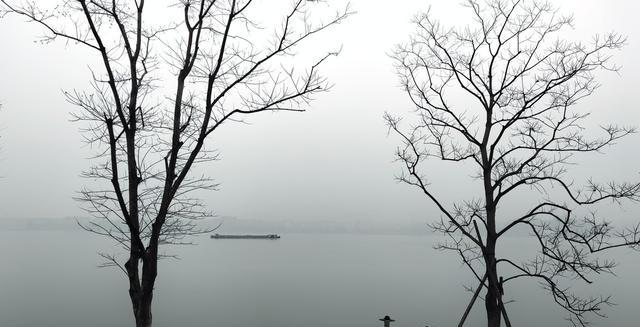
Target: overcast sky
[(333, 162)]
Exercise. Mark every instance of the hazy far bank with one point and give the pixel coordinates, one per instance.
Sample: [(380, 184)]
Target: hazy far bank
[(233, 225)]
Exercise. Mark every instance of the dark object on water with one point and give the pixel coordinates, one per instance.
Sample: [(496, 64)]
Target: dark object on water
[(268, 236), (387, 321)]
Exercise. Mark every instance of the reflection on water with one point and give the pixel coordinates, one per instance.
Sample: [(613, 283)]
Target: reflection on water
[(49, 278)]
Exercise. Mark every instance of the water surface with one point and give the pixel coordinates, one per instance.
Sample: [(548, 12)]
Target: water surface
[(50, 278)]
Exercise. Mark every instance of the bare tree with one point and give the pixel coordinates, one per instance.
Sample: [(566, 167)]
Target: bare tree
[(225, 66), (501, 96)]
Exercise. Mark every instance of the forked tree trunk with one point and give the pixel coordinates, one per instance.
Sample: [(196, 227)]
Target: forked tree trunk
[(141, 302), (141, 289)]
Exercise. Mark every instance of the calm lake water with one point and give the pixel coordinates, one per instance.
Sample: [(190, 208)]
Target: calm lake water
[(50, 278)]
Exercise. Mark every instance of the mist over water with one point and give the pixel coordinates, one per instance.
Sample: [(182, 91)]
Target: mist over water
[(354, 246), (50, 278)]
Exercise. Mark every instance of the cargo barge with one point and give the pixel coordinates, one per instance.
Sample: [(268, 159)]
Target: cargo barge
[(266, 237)]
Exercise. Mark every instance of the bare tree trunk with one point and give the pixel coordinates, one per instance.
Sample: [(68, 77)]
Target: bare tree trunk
[(143, 318), (149, 273), (142, 294), (492, 297), (489, 252), (141, 287)]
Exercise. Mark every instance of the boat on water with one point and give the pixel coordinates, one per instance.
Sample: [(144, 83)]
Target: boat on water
[(267, 236)]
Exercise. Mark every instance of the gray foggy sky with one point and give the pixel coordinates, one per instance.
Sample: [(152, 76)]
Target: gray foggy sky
[(333, 162)]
